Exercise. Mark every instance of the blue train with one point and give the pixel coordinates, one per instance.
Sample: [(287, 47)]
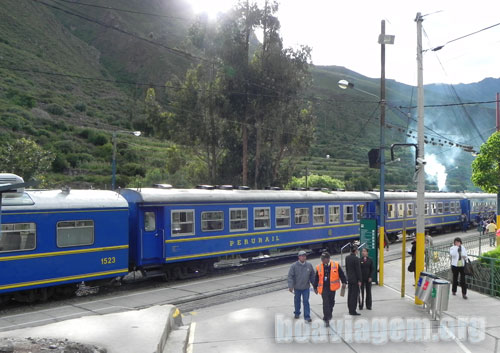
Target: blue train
[(54, 241)]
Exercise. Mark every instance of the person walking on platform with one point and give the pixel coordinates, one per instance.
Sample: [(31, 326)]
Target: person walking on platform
[(464, 221), (366, 283), (458, 257), (491, 229), (327, 280), (353, 269), (300, 276)]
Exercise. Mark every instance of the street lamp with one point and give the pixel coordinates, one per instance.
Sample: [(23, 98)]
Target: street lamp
[(113, 162), (383, 39)]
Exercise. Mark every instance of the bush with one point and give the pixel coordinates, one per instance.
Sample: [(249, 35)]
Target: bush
[(81, 107), (64, 146), (99, 139), (55, 109), (76, 159), (59, 164)]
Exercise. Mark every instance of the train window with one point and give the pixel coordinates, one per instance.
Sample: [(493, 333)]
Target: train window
[(391, 211), (334, 212), (212, 221), (440, 208), (446, 207), (182, 222), (319, 215), (17, 237), (301, 215), (401, 210), (409, 209), (261, 218), (359, 211), (238, 219), (75, 233), (457, 207), (452, 207), (433, 208), (282, 217), (348, 213), (149, 221), (426, 208)]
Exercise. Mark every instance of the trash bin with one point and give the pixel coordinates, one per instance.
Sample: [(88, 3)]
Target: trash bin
[(424, 276), (440, 296)]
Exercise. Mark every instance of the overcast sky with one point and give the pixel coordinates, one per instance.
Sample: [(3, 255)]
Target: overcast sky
[(345, 33)]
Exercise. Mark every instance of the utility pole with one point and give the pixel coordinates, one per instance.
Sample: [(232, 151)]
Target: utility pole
[(419, 264), (498, 129)]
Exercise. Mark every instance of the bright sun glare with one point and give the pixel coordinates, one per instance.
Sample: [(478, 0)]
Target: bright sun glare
[(211, 7)]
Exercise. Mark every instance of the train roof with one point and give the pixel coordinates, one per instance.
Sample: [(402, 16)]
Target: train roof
[(480, 195), (158, 195), (151, 195), (64, 199)]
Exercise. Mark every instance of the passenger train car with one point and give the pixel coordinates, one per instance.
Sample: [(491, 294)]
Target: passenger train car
[(54, 240)]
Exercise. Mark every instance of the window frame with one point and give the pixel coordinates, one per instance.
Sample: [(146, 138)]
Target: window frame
[(75, 220), (433, 208), (172, 223), (278, 216), (145, 217), (409, 209), (446, 207), (330, 214), (348, 213), (321, 215), (391, 210), (308, 213), (19, 230), (401, 210), (439, 207), (238, 219), (255, 209), (206, 221)]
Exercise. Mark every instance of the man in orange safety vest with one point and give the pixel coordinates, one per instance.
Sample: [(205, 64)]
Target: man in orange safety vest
[(329, 274)]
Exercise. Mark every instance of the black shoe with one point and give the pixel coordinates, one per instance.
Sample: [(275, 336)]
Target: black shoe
[(454, 293), (296, 317), (369, 308), (308, 320), (360, 308), (464, 296), (354, 314), (327, 323)]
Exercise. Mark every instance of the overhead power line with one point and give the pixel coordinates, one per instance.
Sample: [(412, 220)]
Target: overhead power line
[(439, 47), (125, 10), (86, 18)]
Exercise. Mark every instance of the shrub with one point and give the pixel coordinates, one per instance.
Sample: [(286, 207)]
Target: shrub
[(59, 164), (81, 107), (55, 109), (99, 139)]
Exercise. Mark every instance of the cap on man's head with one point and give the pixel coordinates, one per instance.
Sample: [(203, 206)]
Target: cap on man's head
[(325, 255), (302, 252)]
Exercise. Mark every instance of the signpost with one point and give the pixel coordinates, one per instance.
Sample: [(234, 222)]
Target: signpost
[(368, 235)]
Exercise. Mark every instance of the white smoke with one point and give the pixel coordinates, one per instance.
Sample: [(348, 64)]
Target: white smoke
[(436, 171)]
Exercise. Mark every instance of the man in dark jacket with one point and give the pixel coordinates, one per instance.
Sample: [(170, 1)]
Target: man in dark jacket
[(366, 283), (353, 268), (327, 280), (300, 276)]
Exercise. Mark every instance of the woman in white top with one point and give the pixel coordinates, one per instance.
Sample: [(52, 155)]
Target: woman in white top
[(458, 257)]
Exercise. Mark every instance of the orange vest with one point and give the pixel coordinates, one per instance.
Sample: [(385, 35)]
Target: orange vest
[(334, 276)]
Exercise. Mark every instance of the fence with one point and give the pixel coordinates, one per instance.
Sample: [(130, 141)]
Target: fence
[(486, 277)]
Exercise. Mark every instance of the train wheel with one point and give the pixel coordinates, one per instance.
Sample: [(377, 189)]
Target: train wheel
[(4, 299)]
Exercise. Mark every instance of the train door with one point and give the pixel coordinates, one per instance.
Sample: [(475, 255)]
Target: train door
[(152, 235)]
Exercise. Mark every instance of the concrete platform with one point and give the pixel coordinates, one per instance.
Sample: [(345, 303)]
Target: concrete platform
[(134, 331), (265, 324)]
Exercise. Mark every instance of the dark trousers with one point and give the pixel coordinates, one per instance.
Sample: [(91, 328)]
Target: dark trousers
[(328, 303), (366, 287), (456, 271), (352, 296)]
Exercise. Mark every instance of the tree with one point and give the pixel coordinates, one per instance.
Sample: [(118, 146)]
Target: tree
[(486, 166), (316, 181), (26, 159)]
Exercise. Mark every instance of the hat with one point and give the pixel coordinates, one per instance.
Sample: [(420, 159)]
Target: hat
[(302, 252), (325, 255)]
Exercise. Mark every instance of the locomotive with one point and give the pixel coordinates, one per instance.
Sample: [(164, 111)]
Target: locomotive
[(52, 242)]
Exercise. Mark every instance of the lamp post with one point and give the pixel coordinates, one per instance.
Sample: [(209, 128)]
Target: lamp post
[(113, 161), (383, 39)]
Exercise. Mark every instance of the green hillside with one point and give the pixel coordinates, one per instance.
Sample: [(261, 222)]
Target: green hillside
[(70, 75)]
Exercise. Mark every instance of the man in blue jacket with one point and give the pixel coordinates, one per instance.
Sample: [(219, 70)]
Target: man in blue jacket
[(300, 277)]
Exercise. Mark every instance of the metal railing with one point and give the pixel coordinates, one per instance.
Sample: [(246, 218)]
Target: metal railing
[(486, 278)]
